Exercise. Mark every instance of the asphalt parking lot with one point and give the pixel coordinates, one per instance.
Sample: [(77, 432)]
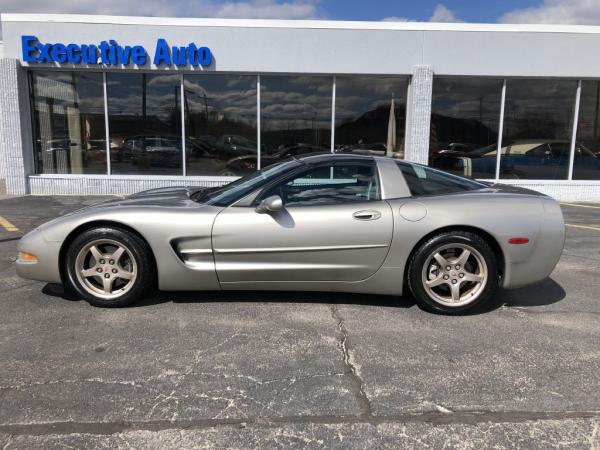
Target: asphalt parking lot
[(248, 370)]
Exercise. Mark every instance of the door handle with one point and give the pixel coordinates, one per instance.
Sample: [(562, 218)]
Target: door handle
[(367, 215)]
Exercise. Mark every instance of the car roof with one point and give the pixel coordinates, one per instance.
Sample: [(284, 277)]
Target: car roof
[(317, 157)]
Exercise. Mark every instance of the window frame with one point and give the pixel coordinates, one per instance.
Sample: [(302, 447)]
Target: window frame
[(258, 195), (35, 129), (400, 164)]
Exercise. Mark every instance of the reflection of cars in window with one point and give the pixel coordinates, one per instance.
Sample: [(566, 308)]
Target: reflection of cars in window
[(534, 159), (234, 145), (153, 150), (201, 146), (457, 148), (244, 165)]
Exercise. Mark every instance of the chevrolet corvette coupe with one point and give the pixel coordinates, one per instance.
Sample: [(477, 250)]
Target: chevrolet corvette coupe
[(334, 222)]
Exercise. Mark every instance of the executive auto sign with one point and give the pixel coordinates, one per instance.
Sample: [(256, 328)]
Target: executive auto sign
[(110, 53)]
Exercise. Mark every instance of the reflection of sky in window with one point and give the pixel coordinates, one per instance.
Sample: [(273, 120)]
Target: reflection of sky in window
[(357, 95), (85, 89), (231, 95), (465, 98), (539, 108), (125, 95), (289, 102)]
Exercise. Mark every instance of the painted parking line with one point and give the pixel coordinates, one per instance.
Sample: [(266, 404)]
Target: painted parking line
[(7, 225), (581, 206), (585, 227)]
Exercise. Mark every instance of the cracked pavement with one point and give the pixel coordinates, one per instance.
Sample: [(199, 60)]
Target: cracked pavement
[(317, 370)]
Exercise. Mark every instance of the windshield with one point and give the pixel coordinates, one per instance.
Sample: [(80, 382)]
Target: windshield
[(225, 195)]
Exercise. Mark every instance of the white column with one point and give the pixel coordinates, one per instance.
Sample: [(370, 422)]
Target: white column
[(16, 143), (418, 115)]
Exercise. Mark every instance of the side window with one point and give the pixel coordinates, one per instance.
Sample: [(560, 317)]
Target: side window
[(329, 184), (423, 180), (560, 150), (540, 151)]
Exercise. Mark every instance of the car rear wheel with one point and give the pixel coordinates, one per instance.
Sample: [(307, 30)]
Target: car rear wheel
[(453, 272), (109, 267)]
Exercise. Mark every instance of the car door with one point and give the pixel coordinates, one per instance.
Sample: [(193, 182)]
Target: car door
[(333, 227)]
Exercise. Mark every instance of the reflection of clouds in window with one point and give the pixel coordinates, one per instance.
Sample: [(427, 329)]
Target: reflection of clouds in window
[(465, 114), (363, 118), (221, 123), (126, 95), (539, 109), (455, 106), (296, 111), (466, 97), (163, 80), (229, 95), (537, 112), (160, 106)]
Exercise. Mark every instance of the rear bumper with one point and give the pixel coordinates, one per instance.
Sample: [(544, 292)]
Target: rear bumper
[(544, 253), (46, 268)]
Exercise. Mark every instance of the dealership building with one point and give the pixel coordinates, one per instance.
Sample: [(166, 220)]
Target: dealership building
[(115, 105)]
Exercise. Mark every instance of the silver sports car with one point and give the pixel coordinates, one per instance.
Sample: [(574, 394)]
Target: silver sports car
[(334, 222)]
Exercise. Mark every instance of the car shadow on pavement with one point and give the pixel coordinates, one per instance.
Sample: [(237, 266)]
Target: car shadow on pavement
[(543, 293), (57, 290)]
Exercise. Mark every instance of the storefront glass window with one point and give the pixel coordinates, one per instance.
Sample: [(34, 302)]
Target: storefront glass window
[(68, 122), (465, 113), (220, 115), (145, 123), (586, 163), (365, 121), (295, 116), (538, 124)]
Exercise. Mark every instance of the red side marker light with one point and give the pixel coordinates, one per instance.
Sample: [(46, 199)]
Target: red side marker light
[(518, 241)]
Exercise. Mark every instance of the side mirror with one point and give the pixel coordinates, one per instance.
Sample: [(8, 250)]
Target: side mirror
[(270, 204)]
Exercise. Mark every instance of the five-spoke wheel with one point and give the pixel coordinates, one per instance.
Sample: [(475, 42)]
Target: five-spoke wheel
[(109, 266), (453, 272), (106, 268)]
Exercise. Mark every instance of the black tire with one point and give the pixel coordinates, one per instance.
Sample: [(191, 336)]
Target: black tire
[(422, 257), (140, 251)]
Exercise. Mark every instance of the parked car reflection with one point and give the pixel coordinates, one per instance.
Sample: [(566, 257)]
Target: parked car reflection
[(244, 165), (520, 159)]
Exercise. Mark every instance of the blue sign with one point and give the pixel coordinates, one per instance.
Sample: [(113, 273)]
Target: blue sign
[(110, 53)]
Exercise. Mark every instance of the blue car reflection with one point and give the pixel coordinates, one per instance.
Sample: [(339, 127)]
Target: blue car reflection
[(522, 159)]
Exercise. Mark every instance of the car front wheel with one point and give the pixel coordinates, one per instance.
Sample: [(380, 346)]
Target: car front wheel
[(109, 266), (453, 272)]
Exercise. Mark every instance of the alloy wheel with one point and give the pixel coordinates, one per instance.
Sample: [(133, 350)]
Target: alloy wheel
[(106, 268), (454, 274)]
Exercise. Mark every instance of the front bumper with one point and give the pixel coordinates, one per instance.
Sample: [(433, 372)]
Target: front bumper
[(46, 268)]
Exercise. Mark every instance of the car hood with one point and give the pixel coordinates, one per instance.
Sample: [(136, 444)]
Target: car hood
[(170, 197)]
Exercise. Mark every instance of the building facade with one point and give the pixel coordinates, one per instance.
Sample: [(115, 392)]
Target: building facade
[(115, 105)]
